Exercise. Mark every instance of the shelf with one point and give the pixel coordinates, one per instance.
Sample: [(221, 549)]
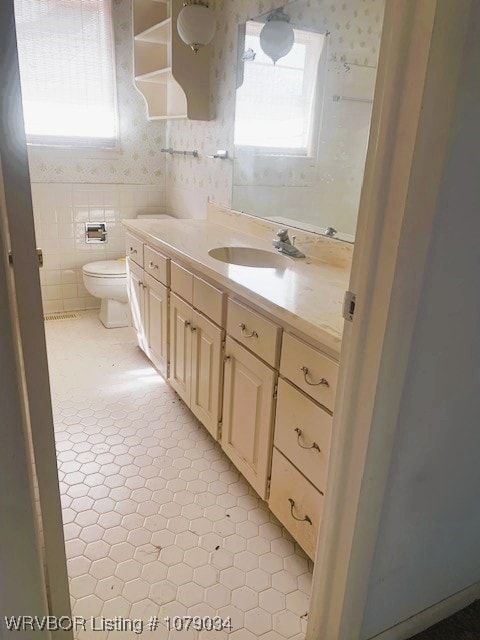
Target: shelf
[(162, 76), (173, 82), (169, 117), (158, 33)]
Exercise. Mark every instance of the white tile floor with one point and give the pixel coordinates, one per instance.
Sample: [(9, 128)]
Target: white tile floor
[(157, 520)]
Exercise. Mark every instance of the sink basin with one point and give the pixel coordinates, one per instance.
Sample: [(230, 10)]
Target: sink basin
[(249, 257)]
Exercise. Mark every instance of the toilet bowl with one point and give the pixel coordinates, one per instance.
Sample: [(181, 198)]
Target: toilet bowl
[(107, 280)]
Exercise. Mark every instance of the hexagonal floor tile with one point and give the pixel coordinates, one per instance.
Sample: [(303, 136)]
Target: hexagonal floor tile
[(157, 520)]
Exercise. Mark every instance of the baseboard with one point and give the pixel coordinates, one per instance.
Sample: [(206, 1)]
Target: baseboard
[(428, 617)]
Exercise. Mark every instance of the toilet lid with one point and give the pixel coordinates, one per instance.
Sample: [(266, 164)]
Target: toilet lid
[(106, 268)]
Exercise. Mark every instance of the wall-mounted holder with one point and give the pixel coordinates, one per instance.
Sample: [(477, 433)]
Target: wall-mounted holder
[(222, 154), (95, 232), (178, 152)]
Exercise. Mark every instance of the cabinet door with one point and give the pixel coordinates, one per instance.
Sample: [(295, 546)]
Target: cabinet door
[(136, 296), (247, 414), (181, 315), (205, 396), (157, 323)]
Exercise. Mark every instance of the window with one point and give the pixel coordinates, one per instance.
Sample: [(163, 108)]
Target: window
[(67, 70), (275, 109)]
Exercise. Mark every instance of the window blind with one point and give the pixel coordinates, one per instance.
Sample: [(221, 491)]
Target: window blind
[(67, 71)]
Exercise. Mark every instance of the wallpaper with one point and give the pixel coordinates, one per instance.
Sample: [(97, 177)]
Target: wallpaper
[(355, 27), (138, 161)]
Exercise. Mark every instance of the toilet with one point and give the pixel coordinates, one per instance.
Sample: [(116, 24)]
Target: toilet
[(107, 280)]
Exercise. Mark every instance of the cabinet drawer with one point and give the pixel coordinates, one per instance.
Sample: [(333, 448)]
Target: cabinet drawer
[(156, 265), (302, 433), (181, 282), (134, 249), (254, 331), (295, 502), (209, 300), (309, 369)]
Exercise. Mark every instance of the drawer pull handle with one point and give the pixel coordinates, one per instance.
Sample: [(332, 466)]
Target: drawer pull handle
[(193, 329), (324, 382), (252, 334), (187, 323), (299, 433), (132, 251), (292, 507), (153, 266)]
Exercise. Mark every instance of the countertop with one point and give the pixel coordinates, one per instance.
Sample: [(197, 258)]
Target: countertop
[(307, 295)]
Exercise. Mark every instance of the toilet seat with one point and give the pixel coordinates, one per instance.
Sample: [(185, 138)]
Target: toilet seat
[(106, 269)]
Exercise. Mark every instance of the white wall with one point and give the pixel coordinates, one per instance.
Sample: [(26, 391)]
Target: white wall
[(428, 542)]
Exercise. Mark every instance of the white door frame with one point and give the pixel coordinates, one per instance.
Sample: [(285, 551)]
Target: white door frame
[(26, 313), (420, 60)]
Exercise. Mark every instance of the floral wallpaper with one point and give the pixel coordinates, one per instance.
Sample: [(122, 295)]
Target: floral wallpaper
[(138, 161), (355, 27)]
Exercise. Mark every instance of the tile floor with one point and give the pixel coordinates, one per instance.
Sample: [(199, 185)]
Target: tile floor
[(157, 520)]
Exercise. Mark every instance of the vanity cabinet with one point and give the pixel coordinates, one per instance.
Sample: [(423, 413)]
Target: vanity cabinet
[(137, 298), (149, 305), (196, 362), (248, 402), (303, 428), (156, 312), (206, 372), (264, 393)]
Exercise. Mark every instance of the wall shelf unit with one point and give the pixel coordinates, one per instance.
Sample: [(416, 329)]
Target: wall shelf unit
[(173, 81)]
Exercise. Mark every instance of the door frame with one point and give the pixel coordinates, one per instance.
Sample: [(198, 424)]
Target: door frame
[(22, 281), (420, 61)]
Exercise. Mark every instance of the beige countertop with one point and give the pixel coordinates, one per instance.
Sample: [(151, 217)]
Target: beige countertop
[(307, 295)]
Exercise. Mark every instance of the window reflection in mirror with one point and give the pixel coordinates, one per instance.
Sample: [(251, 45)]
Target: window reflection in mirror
[(276, 104), (302, 124)]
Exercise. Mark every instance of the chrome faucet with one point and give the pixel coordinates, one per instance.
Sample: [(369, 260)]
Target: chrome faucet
[(285, 246)]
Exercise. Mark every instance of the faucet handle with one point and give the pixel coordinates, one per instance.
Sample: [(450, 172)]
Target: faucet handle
[(282, 235)]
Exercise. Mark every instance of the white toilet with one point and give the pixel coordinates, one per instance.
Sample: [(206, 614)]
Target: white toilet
[(107, 280)]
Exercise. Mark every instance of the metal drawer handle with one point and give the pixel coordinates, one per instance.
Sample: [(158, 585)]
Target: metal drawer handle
[(252, 334), (193, 329), (132, 251), (187, 323), (299, 433), (153, 266), (292, 506), (324, 382)]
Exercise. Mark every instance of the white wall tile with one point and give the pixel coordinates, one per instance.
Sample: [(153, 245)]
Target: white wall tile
[(60, 212)]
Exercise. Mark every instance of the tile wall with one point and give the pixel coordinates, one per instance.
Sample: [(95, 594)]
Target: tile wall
[(60, 212)]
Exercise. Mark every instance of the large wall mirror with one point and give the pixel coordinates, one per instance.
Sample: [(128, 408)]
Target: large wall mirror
[(305, 82)]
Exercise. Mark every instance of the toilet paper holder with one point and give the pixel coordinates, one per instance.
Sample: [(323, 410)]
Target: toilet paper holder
[(95, 232)]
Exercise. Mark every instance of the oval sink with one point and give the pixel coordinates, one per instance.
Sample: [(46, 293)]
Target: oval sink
[(249, 257)]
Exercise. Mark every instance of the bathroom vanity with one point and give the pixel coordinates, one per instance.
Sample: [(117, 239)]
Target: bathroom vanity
[(252, 350)]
